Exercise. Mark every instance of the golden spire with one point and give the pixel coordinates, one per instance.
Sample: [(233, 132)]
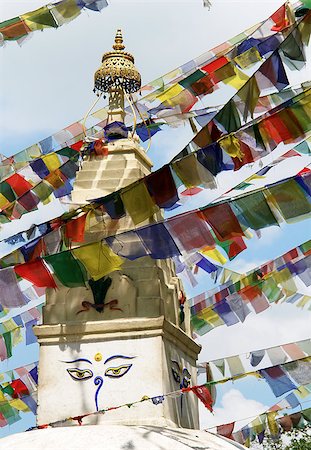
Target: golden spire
[(117, 70), (118, 41)]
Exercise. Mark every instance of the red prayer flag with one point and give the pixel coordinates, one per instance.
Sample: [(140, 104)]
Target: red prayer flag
[(280, 19), (223, 221), (246, 158), (190, 232), (19, 184), (20, 389), (204, 395), (36, 272), (75, 229), (236, 246), (77, 146), (214, 65), (226, 430), (162, 188)]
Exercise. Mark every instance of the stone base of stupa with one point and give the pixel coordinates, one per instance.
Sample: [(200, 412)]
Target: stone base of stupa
[(117, 437)]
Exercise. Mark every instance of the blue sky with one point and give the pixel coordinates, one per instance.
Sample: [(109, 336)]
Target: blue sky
[(48, 85)]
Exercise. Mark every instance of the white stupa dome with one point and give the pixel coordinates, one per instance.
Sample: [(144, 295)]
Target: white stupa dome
[(117, 437)]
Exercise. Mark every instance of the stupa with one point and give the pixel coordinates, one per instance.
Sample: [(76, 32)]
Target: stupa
[(128, 345)]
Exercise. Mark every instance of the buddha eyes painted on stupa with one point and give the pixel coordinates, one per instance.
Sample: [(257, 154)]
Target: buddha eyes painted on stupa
[(181, 375), (100, 369)]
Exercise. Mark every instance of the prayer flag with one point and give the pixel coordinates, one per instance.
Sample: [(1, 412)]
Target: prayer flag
[(13, 29), (162, 188), (10, 293), (226, 430), (69, 271), (39, 167), (290, 199), (192, 173), (211, 158), (138, 202), (277, 380), (36, 272), (158, 241), (224, 311), (223, 221), (190, 232), (98, 259), (39, 19), (128, 244), (228, 117), (74, 229), (255, 210), (18, 184), (203, 394)]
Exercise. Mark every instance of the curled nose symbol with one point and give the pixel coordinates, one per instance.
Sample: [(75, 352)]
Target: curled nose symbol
[(98, 381)]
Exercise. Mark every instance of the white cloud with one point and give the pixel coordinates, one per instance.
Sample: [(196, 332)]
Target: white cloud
[(234, 407)]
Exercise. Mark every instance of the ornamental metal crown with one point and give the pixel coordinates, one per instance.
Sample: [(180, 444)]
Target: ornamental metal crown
[(117, 70)]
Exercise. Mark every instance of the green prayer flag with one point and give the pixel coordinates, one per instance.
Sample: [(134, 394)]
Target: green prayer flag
[(7, 191), (195, 76), (43, 190), (306, 246), (307, 414), (229, 117), (255, 210), (259, 140), (8, 389), (290, 199), (69, 271), (69, 152), (8, 343)]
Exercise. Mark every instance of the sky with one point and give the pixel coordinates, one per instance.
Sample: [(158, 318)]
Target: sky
[(46, 84)]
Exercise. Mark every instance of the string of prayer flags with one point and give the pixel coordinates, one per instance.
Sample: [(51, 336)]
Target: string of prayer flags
[(269, 422), (74, 131), (18, 394), (168, 239), (10, 331), (259, 288), (50, 16), (51, 174)]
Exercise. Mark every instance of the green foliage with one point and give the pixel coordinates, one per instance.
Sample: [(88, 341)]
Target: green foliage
[(296, 439)]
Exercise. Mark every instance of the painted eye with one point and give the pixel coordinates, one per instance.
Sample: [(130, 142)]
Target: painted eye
[(176, 375), (186, 378), (79, 374), (117, 372)]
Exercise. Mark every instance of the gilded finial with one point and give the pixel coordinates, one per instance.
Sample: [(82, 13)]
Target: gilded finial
[(117, 70), (118, 41)]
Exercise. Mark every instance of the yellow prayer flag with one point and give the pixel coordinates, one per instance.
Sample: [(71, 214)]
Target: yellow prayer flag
[(101, 114), (215, 254), (98, 259), (51, 161), (138, 202), (16, 337), (302, 392), (209, 315), (3, 201), (9, 325), (248, 58), (303, 301), (254, 177), (272, 423), (170, 93), (231, 145), (66, 11), (2, 397), (18, 404), (238, 80), (169, 77), (39, 19)]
